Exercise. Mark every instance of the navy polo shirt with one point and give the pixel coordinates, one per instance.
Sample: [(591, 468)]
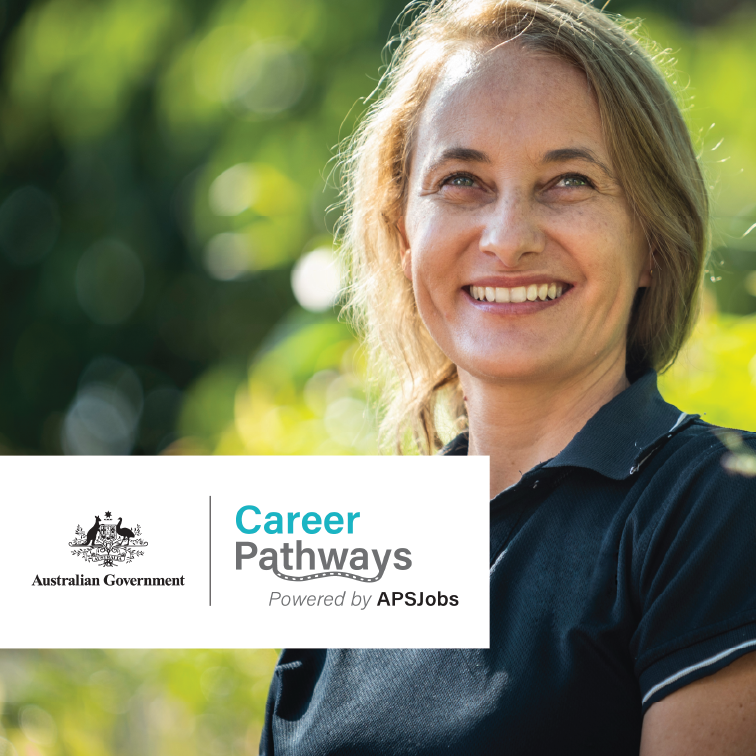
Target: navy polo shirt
[(621, 570)]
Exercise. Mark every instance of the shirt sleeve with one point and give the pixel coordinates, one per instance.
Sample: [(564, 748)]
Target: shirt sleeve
[(696, 577)]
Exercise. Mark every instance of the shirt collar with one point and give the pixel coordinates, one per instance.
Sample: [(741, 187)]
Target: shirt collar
[(620, 437)]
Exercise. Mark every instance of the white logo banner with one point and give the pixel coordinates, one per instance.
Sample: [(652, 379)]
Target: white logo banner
[(245, 552)]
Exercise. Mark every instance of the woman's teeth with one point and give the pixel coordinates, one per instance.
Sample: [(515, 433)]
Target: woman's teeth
[(517, 293)]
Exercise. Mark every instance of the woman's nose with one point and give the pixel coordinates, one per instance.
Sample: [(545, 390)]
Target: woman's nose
[(511, 230)]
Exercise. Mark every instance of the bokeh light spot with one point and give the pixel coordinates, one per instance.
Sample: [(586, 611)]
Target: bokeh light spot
[(316, 280), (345, 420), (110, 691), (234, 190), (105, 413), (315, 392), (38, 726), (269, 77), (6, 748), (257, 186), (100, 421), (228, 256), (109, 282)]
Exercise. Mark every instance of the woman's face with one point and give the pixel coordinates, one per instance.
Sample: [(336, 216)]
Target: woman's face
[(512, 199)]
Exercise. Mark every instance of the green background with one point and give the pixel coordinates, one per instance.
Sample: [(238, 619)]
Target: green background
[(164, 185)]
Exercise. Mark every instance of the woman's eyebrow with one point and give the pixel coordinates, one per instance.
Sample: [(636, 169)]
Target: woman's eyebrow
[(562, 155), (462, 154), (575, 153)]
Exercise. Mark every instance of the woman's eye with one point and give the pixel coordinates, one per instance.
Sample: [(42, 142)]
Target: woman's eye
[(573, 181), (459, 180)]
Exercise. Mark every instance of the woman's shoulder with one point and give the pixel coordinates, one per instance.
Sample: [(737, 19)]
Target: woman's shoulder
[(693, 531), (699, 479), (702, 452)]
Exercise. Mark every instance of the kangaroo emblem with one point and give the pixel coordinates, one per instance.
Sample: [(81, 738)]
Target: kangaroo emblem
[(92, 532)]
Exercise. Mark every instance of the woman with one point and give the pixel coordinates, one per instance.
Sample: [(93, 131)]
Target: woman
[(527, 222)]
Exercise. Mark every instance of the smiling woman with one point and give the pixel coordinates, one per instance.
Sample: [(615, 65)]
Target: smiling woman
[(526, 227), (447, 62)]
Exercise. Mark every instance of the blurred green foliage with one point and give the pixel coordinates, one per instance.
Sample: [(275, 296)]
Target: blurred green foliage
[(715, 375), (162, 182), (134, 703), (165, 282)]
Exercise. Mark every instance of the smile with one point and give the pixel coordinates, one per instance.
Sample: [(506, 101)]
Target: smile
[(518, 294)]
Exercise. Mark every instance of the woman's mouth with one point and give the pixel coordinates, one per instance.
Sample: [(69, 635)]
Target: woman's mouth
[(517, 294)]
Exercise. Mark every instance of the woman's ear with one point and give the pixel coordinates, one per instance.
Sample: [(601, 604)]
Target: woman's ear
[(404, 249)]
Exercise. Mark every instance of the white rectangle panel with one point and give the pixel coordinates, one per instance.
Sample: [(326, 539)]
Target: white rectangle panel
[(419, 525)]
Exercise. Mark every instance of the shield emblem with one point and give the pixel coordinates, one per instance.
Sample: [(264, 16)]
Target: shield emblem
[(108, 532)]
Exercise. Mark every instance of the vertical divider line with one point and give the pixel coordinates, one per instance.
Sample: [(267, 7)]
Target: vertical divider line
[(210, 549)]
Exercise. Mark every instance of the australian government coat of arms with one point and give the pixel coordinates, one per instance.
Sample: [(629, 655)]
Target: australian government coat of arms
[(108, 543)]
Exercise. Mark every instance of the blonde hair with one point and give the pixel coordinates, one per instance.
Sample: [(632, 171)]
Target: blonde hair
[(650, 151)]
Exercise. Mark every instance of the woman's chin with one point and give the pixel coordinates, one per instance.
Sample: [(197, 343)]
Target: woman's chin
[(514, 369)]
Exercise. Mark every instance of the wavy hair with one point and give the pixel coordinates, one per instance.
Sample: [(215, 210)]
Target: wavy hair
[(649, 147)]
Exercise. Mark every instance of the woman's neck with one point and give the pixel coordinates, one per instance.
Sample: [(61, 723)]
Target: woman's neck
[(520, 424)]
